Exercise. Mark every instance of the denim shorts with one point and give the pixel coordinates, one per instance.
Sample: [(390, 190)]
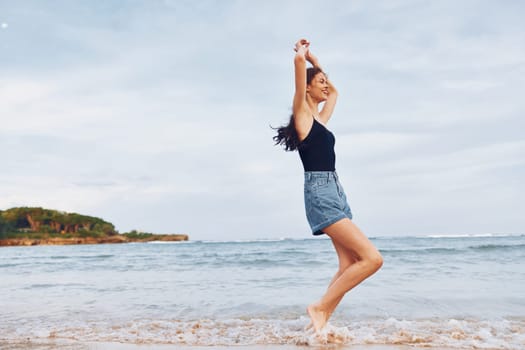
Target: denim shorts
[(324, 200)]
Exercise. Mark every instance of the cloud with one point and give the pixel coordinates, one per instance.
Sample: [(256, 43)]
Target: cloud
[(155, 115)]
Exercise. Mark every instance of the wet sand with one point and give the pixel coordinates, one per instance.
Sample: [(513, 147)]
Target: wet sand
[(70, 345), (249, 347), (255, 347)]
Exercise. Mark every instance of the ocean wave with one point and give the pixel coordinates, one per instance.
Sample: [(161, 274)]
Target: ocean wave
[(317, 239), (257, 240), (53, 285), (450, 250), (75, 257), (421, 250), (449, 333), (372, 237), (487, 247), (473, 235), (168, 242)]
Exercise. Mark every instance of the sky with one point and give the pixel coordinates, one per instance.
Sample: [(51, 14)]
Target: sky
[(155, 115)]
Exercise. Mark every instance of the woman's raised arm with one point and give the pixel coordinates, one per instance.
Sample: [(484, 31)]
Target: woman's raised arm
[(301, 49), (301, 116), (329, 105)]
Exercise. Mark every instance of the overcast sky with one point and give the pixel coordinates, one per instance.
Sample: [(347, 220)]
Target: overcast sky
[(154, 115)]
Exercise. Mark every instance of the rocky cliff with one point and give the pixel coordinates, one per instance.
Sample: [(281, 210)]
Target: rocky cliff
[(89, 240)]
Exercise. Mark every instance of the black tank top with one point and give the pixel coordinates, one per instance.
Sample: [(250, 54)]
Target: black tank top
[(317, 149)]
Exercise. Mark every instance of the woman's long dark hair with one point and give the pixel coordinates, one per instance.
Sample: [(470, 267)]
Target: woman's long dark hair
[(286, 134)]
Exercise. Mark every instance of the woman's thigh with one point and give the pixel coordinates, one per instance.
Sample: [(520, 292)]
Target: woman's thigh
[(347, 235)]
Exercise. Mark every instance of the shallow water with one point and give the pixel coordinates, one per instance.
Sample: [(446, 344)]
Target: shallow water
[(457, 292)]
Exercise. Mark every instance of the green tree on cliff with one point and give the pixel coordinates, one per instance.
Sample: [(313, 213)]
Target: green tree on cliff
[(3, 226), (37, 219)]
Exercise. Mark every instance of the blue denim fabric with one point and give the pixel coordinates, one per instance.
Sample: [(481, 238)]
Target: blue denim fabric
[(324, 200)]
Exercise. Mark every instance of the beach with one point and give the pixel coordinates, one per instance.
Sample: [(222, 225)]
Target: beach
[(464, 292), (120, 346)]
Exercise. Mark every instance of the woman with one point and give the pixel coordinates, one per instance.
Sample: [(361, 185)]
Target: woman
[(326, 206)]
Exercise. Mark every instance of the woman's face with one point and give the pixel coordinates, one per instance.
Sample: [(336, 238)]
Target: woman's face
[(318, 88)]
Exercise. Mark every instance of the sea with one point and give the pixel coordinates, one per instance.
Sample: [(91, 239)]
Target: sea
[(457, 292)]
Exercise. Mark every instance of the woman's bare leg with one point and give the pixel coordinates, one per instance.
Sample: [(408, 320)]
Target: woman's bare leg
[(345, 234), (346, 258)]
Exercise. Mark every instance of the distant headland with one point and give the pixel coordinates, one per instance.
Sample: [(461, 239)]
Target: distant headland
[(39, 226)]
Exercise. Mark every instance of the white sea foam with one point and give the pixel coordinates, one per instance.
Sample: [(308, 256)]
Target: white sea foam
[(450, 333), (257, 240), (473, 235)]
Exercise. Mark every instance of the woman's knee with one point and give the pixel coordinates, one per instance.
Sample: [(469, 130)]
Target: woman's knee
[(375, 261)]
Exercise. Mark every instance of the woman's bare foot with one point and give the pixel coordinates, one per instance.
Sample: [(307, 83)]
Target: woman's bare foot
[(317, 316)]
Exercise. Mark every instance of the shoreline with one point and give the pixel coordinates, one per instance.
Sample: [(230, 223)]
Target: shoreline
[(115, 239), (104, 345)]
